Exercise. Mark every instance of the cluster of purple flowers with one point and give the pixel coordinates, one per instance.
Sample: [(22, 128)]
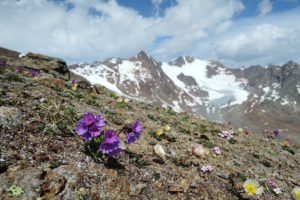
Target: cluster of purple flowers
[(226, 134), (91, 126), (276, 132), (20, 70), (275, 186), (133, 132), (217, 150), (2, 63), (207, 168), (33, 72)]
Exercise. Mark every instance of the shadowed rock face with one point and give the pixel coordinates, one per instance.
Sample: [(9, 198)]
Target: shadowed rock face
[(192, 84), (56, 66), (9, 53)]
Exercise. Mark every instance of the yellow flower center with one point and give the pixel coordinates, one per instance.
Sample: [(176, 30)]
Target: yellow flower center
[(297, 195), (119, 100), (251, 188), (74, 87), (158, 132), (286, 143)]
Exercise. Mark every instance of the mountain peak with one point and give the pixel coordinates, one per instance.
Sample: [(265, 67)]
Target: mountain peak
[(182, 60), (142, 54)]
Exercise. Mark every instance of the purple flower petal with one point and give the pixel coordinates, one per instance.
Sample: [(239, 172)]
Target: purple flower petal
[(137, 127), (88, 119), (81, 128), (90, 126), (132, 137), (100, 121)]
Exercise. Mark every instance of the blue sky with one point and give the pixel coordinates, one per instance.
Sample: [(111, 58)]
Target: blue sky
[(235, 32)]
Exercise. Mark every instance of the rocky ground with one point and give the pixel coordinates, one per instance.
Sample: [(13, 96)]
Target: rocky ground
[(41, 156)]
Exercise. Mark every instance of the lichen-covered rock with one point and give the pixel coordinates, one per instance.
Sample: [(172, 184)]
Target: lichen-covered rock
[(45, 63), (59, 183), (26, 179), (10, 117)]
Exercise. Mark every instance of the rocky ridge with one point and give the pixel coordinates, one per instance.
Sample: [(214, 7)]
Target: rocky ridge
[(207, 89), (42, 157)]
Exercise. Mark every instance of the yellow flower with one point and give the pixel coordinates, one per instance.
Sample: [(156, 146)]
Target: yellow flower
[(252, 187), (296, 193), (126, 100), (240, 130), (158, 132), (119, 100), (167, 128), (74, 87), (286, 143)]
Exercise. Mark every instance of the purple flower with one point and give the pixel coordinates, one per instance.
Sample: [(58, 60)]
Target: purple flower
[(217, 150), (90, 126), (133, 132), (273, 184), (20, 70), (2, 63), (226, 134), (207, 168), (276, 132), (73, 82), (33, 72), (111, 144)]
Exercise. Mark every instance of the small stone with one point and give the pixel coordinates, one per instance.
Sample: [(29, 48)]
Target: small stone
[(175, 189), (99, 88), (159, 151), (122, 145), (82, 191), (199, 151)]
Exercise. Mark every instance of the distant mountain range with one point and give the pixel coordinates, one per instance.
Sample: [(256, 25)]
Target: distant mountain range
[(256, 97)]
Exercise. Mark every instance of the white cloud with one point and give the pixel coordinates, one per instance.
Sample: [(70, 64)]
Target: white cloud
[(264, 7), (271, 40), (46, 27), (156, 4), (190, 21), (260, 42), (204, 29)]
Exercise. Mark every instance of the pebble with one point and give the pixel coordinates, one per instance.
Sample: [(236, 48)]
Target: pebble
[(159, 151)]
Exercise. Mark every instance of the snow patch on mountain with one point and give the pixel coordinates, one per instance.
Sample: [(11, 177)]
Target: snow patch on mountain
[(223, 88), (99, 75)]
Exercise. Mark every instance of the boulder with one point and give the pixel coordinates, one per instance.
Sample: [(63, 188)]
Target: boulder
[(46, 63)]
